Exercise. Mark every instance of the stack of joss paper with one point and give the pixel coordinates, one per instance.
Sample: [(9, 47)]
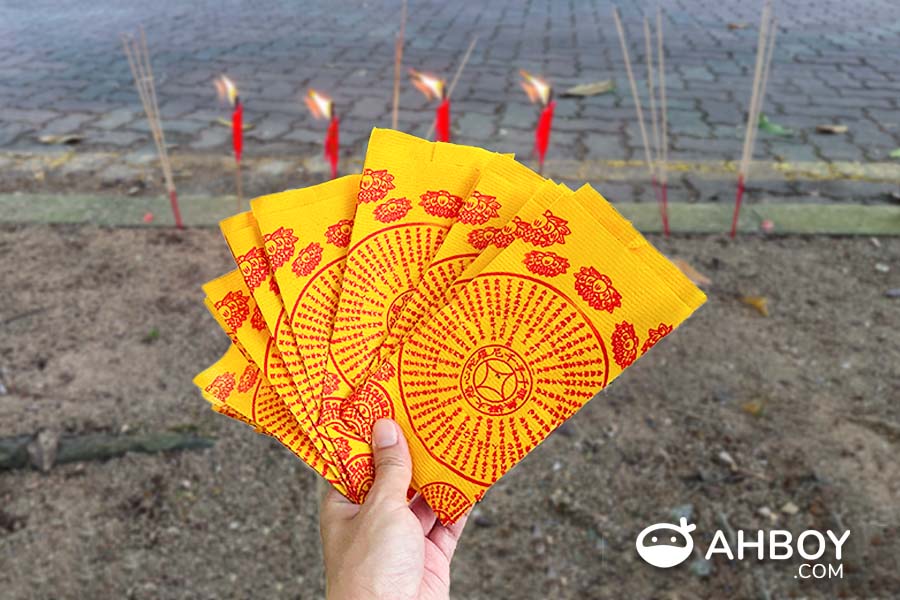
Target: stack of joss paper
[(446, 287)]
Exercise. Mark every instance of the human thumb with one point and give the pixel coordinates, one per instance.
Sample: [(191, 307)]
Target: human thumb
[(393, 465)]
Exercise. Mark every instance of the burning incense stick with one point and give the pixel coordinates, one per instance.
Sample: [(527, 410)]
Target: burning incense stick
[(664, 131), (398, 63), (139, 61), (764, 50), (322, 107), (228, 91), (637, 103), (435, 88), (455, 80), (540, 91)]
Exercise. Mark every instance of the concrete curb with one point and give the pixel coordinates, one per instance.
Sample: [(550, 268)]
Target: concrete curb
[(207, 211)]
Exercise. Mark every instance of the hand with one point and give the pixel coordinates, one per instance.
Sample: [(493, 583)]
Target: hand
[(386, 547)]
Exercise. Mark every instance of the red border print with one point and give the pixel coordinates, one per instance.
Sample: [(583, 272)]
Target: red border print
[(339, 233), (366, 405), (248, 378), (279, 246), (548, 264), (254, 267), (308, 259), (625, 344), (544, 231), (441, 204), (221, 386), (392, 210), (330, 384), (597, 289), (654, 335), (257, 320), (234, 308), (478, 209), (374, 185)]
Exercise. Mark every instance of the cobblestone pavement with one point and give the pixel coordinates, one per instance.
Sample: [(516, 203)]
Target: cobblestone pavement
[(62, 70)]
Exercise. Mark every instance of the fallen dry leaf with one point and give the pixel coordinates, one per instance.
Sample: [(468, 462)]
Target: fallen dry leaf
[(61, 140), (760, 303), (831, 129), (754, 408), (696, 277), (736, 26), (591, 89), (227, 123)]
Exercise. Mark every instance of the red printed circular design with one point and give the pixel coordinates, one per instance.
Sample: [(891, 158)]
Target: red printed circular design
[(548, 264), (234, 308), (365, 406), (307, 260), (490, 376), (625, 344), (374, 185), (478, 209), (254, 267), (279, 246), (441, 204), (380, 268), (597, 289), (446, 500), (361, 476), (392, 210), (339, 233)]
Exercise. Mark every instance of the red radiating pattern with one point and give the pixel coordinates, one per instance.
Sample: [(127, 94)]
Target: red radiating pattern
[(447, 501), (380, 268), (479, 380), (625, 344)]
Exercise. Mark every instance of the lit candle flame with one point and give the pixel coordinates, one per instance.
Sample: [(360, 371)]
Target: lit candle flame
[(226, 90), (320, 105), (430, 85), (537, 89)]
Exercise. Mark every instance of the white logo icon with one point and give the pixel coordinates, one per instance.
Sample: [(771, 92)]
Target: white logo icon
[(669, 544)]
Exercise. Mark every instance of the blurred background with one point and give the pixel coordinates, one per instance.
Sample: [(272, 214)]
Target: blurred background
[(775, 407)]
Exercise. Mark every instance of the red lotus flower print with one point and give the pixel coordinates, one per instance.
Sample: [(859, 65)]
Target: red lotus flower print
[(307, 260), (221, 386), (654, 335), (505, 236), (257, 320), (384, 372), (279, 246), (374, 185), (625, 344), (248, 378), (330, 384), (481, 238), (597, 289), (339, 233), (254, 267), (273, 286), (478, 209), (546, 230), (441, 204), (392, 210), (548, 264), (234, 308)]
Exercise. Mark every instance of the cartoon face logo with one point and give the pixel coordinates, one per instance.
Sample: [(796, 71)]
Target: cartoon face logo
[(665, 545)]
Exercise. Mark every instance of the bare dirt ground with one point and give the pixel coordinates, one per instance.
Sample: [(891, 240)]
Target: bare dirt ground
[(102, 330)]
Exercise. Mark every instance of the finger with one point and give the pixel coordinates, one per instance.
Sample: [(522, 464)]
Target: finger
[(423, 512), (446, 537), (393, 465), (335, 507)]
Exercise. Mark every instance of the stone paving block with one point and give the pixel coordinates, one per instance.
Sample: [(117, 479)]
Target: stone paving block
[(71, 123), (212, 137), (116, 118)]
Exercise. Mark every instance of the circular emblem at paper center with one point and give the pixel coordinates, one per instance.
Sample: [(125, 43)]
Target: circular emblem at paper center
[(495, 380)]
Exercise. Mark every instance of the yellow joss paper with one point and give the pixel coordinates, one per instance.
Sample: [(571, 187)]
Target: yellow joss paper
[(237, 388), (410, 194), (569, 304), (239, 315)]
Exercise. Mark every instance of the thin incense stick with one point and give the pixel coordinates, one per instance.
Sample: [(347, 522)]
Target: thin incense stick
[(398, 64), (138, 57), (456, 76), (762, 49), (634, 92), (663, 157), (761, 95), (651, 91)]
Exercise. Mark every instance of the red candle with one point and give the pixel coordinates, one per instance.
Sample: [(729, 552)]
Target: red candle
[(237, 130), (333, 144), (442, 121), (542, 133)]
